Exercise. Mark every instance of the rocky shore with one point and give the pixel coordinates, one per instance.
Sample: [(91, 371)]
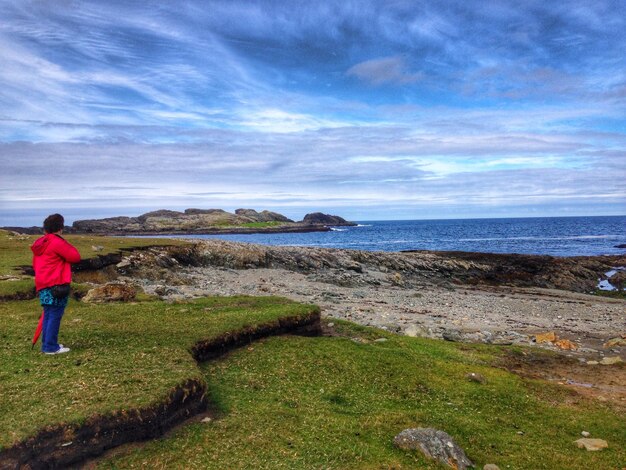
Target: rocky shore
[(473, 297)]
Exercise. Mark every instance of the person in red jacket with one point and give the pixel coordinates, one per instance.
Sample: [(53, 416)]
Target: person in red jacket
[(52, 260)]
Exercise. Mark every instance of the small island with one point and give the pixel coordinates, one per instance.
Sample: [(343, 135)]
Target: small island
[(207, 221)]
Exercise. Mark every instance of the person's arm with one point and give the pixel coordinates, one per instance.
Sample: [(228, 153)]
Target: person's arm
[(67, 252)]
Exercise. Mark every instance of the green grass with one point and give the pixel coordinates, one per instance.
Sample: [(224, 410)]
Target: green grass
[(15, 252), (123, 356), (24, 286), (264, 224), (613, 294), (302, 403)]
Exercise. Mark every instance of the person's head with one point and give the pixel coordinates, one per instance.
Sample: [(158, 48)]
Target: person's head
[(53, 224)]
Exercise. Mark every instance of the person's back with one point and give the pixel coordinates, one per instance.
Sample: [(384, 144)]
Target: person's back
[(52, 259)]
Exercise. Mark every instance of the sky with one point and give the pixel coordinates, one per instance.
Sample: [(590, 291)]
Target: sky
[(372, 110)]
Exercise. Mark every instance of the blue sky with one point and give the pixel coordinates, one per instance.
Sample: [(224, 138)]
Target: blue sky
[(367, 109)]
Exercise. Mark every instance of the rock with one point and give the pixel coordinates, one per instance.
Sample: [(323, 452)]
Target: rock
[(317, 218), (585, 434), (549, 337), (491, 466), (414, 331), (591, 444), (607, 361), (97, 247), (618, 280), (615, 342), (566, 345), (434, 444), (474, 377), (380, 340), (206, 420), (592, 363), (112, 292), (623, 245), (123, 264), (264, 216)]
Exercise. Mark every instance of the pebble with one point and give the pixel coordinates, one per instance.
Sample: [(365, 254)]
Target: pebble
[(585, 434), (491, 466), (206, 420)]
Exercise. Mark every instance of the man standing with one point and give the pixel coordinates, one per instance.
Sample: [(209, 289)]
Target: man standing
[(52, 259)]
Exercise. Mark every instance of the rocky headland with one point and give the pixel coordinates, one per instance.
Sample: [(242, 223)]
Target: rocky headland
[(206, 221), (199, 222)]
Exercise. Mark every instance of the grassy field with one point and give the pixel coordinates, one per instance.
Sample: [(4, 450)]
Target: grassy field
[(122, 356), (290, 402), (329, 402)]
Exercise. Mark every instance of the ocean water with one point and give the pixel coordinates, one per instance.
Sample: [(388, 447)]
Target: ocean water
[(557, 236)]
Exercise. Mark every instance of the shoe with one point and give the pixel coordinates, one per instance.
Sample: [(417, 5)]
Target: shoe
[(61, 350)]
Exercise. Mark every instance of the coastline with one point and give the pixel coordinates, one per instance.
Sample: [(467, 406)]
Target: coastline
[(471, 297)]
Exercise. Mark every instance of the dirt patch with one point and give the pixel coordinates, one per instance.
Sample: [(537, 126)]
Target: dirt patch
[(605, 383)]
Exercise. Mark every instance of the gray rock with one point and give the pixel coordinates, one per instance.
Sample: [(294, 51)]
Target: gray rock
[(434, 444), (474, 377), (491, 466), (414, 331)]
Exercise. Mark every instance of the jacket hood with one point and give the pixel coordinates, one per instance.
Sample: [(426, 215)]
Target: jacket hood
[(40, 245)]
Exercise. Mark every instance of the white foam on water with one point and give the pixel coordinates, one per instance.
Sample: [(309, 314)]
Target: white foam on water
[(605, 284)]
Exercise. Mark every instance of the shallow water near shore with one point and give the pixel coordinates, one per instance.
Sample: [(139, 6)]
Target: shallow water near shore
[(557, 236)]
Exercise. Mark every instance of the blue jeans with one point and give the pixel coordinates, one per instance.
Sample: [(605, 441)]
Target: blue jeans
[(52, 315)]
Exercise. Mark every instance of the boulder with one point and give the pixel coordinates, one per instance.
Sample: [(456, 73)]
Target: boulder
[(112, 292), (549, 337), (475, 377), (434, 444), (615, 343), (623, 245), (618, 280), (591, 444), (608, 361), (566, 345)]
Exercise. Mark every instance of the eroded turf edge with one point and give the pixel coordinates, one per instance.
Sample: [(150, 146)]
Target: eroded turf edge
[(60, 446)]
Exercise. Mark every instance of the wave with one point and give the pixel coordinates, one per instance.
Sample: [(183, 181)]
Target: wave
[(333, 229)]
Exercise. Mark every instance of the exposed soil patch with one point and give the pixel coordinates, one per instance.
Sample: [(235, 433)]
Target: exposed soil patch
[(606, 383)]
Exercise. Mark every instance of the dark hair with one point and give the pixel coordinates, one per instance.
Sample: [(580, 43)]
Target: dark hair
[(53, 223)]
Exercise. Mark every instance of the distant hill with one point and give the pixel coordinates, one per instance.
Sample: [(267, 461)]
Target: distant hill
[(199, 221)]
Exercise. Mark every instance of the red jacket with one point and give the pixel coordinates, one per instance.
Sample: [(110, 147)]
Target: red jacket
[(52, 257)]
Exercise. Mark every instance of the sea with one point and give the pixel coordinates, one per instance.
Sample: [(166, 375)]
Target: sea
[(556, 236)]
